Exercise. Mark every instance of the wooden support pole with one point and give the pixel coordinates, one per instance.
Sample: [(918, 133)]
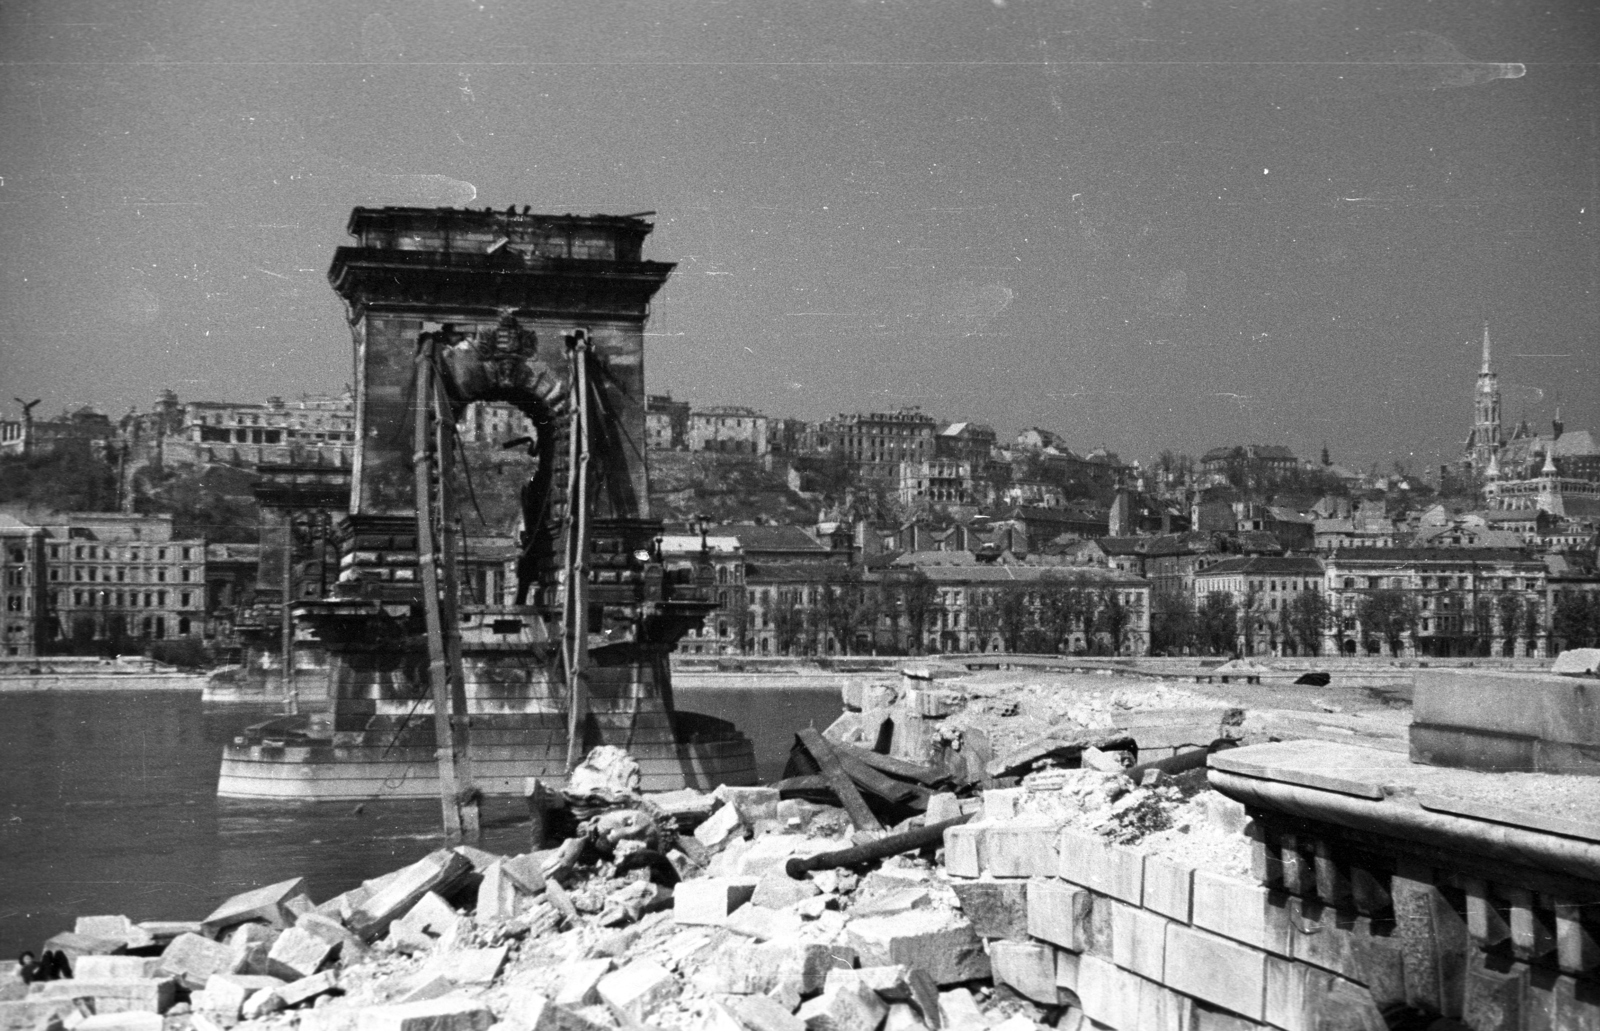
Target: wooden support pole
[(839, 780), (575, 625), (450, 786)]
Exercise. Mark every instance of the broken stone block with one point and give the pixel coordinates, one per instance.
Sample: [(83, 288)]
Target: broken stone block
[(896, 984), (451, 1013), (997, 909), (577, 980), (440, 873), (902, 900), (903, 1017), (963, 849), (299, 953), (752, 803), (351, 948), (958, 1011), (527, 871), (777, 890), (115, 968), (424, 985), (34, 1012), (425, 923), (1021, 848), (941, 807), (709, 900), (471, 966), (637, 991), (533, 1010), (247, 934), (1216, 970), (764, 924), (500, 898), (307, 988), (1018, 1022), (163, 931), (121, 1022), (114, 928), (268, 905), (719, 1018), (844, 1007), (262, 1003), (192, 959), (76, 946), (226, 994), (145, 994), (740, 968), (1028, 967), (1059, 912), (720, 828), (943, 944), (764, 1013)]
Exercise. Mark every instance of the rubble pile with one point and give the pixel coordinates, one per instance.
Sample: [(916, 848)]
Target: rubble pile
[(672, 911)]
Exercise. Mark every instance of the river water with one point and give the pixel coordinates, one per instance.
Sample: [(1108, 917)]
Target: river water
[(108, 805)]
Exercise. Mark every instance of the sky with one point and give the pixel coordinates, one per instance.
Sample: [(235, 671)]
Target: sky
[(1143, 224)]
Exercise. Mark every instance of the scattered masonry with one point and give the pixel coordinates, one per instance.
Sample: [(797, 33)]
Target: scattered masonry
[(1296, 886)]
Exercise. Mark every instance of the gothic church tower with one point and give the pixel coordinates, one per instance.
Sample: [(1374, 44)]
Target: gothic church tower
[(1486, 435)]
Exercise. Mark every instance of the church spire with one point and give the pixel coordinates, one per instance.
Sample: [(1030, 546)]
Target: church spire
[(1485, 369)]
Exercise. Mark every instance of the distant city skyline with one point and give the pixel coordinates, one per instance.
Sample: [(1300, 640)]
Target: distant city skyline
[(1145, 228)]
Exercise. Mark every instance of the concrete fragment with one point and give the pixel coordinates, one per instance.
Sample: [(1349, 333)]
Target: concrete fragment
[(718, 1017), (764, 1013), (577, 980), (267, 905), (299, 953), (1028, 967), (903, 1017), (192, 959), (941, 807), (844, 1007), (423, 986), (997, 909), (637, 991), (943, 944), (709, 900), (450, 1013), (896, 984), (307, 988), (958, 1011), (440, 873)]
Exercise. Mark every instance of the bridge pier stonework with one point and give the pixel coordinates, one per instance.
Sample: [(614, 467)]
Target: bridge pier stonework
[(489, 297)]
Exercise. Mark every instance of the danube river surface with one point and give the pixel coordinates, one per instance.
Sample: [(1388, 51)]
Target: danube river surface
[(108, 805)]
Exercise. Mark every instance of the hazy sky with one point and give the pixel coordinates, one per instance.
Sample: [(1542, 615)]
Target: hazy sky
[(1144, 223)]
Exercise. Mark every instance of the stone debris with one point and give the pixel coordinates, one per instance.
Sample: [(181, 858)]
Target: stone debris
[(706, 912)]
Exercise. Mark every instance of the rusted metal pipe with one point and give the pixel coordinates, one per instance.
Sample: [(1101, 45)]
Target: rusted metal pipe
[(883, 848)]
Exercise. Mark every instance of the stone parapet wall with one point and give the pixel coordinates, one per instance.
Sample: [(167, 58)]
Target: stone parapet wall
[(1331, 929)]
